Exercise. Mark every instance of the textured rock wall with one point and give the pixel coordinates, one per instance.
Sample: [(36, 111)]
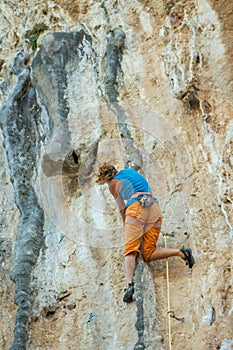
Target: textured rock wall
[(143, 84)]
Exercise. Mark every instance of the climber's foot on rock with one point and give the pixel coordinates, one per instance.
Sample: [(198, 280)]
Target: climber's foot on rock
[(128, 296), (188, 257)]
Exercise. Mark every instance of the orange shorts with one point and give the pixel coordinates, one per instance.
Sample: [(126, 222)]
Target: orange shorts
[(142, 224)]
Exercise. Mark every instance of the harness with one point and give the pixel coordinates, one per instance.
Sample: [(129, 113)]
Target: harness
[(145, 198)]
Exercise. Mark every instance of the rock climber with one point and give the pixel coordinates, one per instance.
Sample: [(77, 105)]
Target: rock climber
[(142, 220)]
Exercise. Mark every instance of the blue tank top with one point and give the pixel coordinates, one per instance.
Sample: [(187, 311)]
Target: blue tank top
[(131, 182)]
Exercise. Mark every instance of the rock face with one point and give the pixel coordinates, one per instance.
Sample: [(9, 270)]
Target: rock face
[(141, 84)]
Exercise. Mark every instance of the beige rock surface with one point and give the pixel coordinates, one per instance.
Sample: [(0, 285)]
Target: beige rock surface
[(8, 224), (175, 88)]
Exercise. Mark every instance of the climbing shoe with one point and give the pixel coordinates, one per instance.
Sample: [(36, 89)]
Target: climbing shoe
[(128, 296), (188, 257)]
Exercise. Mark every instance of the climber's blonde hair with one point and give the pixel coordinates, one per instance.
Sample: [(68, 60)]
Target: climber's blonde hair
[(106, 173)]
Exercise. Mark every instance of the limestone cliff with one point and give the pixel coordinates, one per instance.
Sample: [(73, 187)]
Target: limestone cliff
[(146, 84)]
